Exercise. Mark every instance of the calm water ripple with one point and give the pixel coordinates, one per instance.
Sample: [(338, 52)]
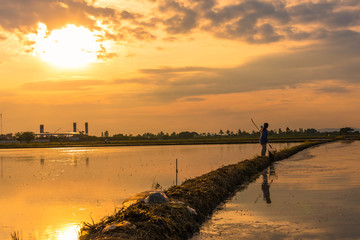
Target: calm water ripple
[(313, 195), (47, 193)]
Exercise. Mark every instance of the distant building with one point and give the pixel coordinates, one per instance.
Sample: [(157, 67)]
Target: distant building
[(48, 136), (41, 128), (87, 128)]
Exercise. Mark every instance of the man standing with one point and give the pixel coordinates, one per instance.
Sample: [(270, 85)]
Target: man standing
[(264, 138)]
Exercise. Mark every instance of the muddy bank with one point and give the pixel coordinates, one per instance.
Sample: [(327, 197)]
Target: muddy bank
[(188, 206)]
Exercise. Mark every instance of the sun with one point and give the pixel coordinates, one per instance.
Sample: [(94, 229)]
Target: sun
[(69, 47)]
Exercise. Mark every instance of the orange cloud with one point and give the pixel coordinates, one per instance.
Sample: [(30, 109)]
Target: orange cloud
[(73, 85)]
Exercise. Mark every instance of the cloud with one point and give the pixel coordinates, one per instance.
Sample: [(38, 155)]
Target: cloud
[(170, 70), (141, 34), (252, 21), (250, 9), (193, 99), (24, 15), (333, 89), (335, 59), (74, 85), (183, 19), (329, 13), (205, 5), (2, 37), (247, 30), (259, 22), (245, 20), (105, 55), (127, 15)]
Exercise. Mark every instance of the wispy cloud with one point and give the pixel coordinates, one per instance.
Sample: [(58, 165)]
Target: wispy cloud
[(171, 70), (336, 59), (193, 99), (73, 85), (333, 89)]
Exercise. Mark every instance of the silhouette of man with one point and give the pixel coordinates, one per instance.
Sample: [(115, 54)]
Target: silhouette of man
[(264, 138)]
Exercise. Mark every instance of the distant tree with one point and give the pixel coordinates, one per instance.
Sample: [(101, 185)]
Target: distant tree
[(239, 132), (228, 132), (25, 136), (87, 138), (346, 130), (280, 131), (18, 136), (148, 135), (106, 134), (187, 135), (310, 131), (119, 135), (221, 132)]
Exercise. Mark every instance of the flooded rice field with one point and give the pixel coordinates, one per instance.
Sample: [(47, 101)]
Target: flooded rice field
[(313, 195), (47, 193)]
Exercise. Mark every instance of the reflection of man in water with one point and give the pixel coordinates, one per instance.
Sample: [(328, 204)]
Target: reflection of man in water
[(272, 171), (265, 186)]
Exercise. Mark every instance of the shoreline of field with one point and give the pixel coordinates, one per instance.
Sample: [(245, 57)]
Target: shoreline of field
[(153, 142), (173, 220)]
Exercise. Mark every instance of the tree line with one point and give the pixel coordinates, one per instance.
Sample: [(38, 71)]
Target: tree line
[(309, 132), (228, 134)]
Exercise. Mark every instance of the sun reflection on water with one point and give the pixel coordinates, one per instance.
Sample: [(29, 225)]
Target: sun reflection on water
[(71, 232)]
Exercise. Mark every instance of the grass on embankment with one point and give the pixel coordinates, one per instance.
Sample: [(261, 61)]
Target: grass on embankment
[(173, 220)]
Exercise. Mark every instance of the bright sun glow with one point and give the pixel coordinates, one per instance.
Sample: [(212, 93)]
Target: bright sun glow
[(70, 233), (69, 47)]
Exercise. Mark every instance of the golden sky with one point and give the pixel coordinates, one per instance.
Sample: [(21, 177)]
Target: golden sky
[(135, 66)]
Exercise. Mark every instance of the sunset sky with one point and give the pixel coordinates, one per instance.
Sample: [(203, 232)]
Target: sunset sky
[(135, 66)]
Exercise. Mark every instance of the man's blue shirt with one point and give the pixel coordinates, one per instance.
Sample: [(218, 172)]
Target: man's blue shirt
[(264, 135)]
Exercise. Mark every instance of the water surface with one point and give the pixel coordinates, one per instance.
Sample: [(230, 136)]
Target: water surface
[(313, 195), (47, 193)]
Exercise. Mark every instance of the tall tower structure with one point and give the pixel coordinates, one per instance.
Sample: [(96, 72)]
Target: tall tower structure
[(87, 128), (1, 122), (42, 128), (74, 127)]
